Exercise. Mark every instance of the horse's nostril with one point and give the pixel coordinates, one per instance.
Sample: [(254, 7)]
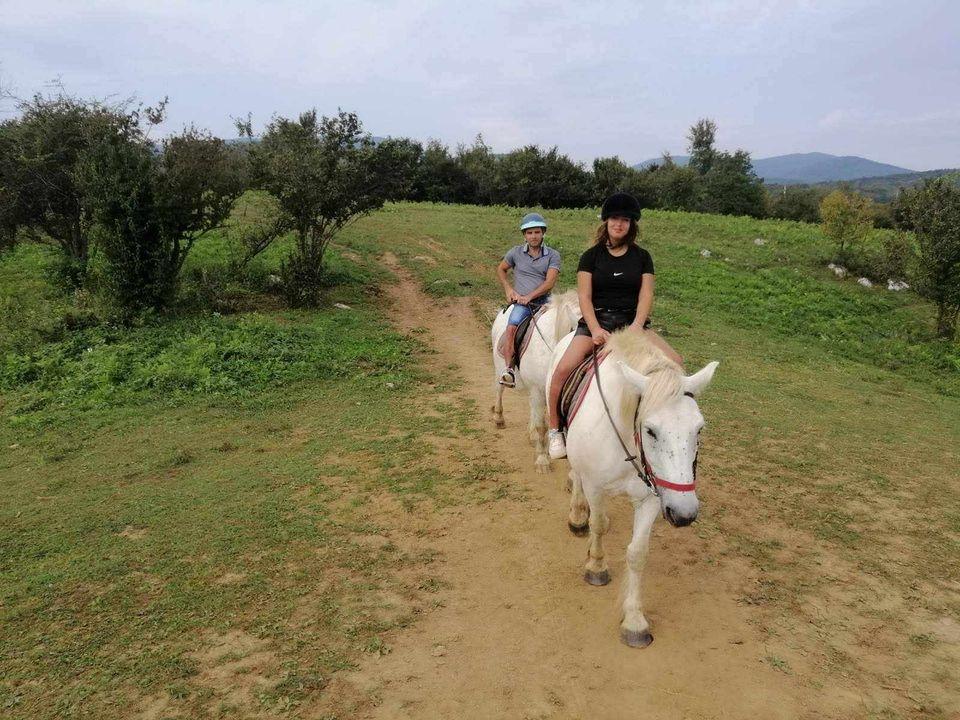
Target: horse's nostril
[(678, 520)]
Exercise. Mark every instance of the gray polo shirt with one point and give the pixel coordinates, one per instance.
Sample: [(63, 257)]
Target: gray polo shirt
[(528, 272)]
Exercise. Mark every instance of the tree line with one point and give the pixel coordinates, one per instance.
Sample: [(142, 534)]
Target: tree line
[(126, 211)]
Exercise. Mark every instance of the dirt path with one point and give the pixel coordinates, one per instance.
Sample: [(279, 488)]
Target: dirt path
[(522, 636)]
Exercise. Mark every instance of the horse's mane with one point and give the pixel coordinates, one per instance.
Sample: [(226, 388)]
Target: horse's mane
[(567, 305), (665, 376)]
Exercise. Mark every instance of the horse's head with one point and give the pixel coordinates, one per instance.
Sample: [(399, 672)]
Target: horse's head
[(668, 436)]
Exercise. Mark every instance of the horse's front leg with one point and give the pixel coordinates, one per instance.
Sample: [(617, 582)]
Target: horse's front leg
[(538, 429), (579, 508), (498, 406), (634, 629), (596, 571)]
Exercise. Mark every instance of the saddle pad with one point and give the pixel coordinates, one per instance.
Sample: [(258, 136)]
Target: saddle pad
[(523, 336), (575, 389)]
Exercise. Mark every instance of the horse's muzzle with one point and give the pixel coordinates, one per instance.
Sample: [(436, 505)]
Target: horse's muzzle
[(678, 519)]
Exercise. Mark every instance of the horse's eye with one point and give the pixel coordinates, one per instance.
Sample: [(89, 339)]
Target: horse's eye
[(651, 433)]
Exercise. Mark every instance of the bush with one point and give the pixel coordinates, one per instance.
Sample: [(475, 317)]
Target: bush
[(153, 208), (934, 213), (795, 202), (847, 220), (325, 172)]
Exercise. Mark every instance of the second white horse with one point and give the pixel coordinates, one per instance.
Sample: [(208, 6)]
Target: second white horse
[(559, 318)]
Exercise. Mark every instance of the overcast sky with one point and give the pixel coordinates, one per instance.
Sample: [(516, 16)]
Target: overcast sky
[(877, 79)]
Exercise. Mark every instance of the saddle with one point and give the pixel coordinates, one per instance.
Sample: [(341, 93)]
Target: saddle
[(575, 389), (524, 334)]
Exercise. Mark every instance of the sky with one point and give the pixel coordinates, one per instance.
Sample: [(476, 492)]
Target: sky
[(875, 79)]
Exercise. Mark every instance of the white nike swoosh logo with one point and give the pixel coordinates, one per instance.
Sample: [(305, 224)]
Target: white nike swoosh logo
[(617, 274)]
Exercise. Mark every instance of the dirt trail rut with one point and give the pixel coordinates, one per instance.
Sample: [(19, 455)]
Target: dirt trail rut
[(521, 635)]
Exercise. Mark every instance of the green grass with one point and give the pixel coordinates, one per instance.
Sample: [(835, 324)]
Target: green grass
[(205, 473), (781, 287), (830, 458), (220, 470)]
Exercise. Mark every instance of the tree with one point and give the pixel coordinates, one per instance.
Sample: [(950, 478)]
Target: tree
[(530, 177), (677, 187), (846, 219), (152, 208), (795, 202), (730, 187), (9, 201), (324, 172), (702, 137), (934, 213), (44, 149), (480, 166), (612, 175), (439, 178)]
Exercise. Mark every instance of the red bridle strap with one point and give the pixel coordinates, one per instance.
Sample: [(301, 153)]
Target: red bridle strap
[(659, 481)]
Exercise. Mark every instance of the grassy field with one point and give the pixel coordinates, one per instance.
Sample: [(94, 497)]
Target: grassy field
[(217, 474), (212, 478), (835, 430)]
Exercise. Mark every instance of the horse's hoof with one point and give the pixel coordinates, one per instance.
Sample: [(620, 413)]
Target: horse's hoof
[(598, 579), (579, 530), (543, 468), (636, 638), (500, 424)]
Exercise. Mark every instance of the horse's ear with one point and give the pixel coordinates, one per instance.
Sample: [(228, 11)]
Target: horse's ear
[(696, 383), (636, 379)]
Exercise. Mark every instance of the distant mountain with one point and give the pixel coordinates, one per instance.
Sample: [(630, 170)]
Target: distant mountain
[(804, 168), (886, 187)]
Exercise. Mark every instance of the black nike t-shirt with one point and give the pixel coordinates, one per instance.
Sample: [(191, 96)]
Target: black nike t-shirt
[(616, 280)]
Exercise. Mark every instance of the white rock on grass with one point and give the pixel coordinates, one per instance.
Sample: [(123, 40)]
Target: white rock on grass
[(897, 285), (342, 306), (759, 241), (705, 253), (838, 270), (865, 282)]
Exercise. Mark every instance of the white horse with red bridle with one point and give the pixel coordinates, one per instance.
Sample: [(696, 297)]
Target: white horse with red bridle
[(642, 406), (558, 319)]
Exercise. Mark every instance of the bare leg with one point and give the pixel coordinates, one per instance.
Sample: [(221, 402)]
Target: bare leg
[(507, 349), (665, 346), (595, 571), (576, 351), (634, 629)]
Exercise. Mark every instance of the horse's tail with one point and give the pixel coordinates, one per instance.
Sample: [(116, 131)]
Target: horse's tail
[(568, 313)]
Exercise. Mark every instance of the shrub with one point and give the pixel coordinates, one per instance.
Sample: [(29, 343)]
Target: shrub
[(153, 208), (324, 173), (847, 220), (934, 213)]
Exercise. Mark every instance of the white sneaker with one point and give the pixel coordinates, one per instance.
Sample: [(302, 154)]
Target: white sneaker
[(558, 448)]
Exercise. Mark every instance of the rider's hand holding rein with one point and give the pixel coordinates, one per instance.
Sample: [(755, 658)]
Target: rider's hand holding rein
[(600, 336)]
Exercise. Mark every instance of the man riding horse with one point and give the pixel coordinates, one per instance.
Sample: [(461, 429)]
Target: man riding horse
[(535, 271)]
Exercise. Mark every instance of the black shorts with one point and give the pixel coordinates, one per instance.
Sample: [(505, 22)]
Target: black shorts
[(610, 320)]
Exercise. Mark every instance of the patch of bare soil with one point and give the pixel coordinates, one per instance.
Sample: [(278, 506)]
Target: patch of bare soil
[(521, 635)]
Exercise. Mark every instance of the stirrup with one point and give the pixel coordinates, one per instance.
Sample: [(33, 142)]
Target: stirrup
[(508, 379)]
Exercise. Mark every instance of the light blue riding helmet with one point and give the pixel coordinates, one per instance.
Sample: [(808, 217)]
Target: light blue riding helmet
[(533, 220)]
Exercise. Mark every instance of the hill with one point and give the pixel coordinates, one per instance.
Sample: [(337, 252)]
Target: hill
[(885, 189), (807, 168)]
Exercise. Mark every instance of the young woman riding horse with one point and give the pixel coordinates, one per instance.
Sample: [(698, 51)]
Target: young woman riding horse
[(615, 282)]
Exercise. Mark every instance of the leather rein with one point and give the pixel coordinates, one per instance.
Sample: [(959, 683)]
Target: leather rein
[(644, 469)]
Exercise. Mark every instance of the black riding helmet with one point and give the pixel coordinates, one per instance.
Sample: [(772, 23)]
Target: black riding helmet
[(620, 204)]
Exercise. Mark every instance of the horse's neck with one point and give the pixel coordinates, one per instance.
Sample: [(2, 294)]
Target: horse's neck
[(622, 397)]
